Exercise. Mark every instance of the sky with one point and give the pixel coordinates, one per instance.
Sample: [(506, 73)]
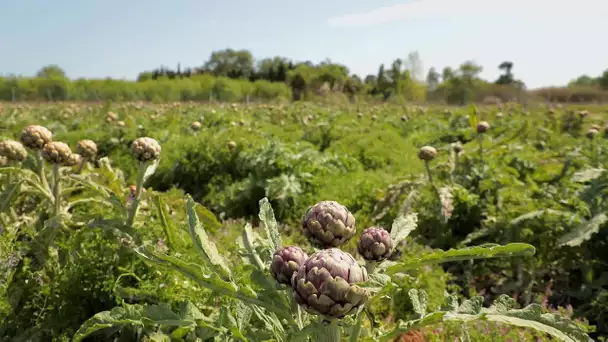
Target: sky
[(550, 42)]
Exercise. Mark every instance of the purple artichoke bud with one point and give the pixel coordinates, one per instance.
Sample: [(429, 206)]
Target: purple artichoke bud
[(35, 137), (329, 224), (325, 284), (375, 244), (285, 262)]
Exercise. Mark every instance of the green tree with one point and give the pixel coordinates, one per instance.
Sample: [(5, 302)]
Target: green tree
[(230, 63), (51, 71), (507, 76)]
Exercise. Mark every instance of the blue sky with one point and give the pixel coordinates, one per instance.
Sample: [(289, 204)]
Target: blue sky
[(550, 41)]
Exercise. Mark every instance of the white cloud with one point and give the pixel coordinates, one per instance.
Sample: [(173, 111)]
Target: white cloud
[(423, 9)]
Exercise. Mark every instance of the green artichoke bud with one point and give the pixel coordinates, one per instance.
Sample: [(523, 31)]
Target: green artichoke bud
[(583, 113), (195, 126), (87, 149), (591, 133), (329, 224), (35, 137), (325, 284), (231, 145), (74, 159), (145, 149), (482, 127), (12, 150), (111, 117), (427, 153), (285, 262), (375, 244), (56, 152)]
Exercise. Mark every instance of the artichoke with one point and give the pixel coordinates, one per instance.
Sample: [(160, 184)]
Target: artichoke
[(375, 244), (35, 137), (325, 284), (3, 161), (483, 127), (195, 126), (329, 224), (427, 153), (12, 150), (145, 149), (591, 133), (583, 113), (285, 262), (74, 159), (56, 152), (87, 149)]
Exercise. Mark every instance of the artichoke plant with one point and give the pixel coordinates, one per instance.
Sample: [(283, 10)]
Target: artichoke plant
[(285, 262), (375, 244), (329, 224), (35, 136), (325, 284), (13, 150)]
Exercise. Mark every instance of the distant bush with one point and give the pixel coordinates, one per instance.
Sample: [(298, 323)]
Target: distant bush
[(198, 88)]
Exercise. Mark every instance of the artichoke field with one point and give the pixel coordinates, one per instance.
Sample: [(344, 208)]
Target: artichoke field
[(211, 230)]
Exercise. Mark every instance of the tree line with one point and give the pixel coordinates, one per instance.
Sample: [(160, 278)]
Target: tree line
[(234, 75)]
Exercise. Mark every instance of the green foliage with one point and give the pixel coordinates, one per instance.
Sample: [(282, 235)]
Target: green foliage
[(536, 184)]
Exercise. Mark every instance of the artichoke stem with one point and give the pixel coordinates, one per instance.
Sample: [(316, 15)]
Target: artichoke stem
[(428, 171), (371, 266), (56, 189), (330, 332), (481, 147), (356, 330), (41, 173), (81, 166), (135, 204)]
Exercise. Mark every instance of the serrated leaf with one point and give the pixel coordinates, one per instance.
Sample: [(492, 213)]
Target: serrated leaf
[(266, 215), (471, 306), (402, 227), (206, 248), (583, 232), (136, 315), (587, 175), (151, 169), (419, 300), (470, 253), (209, 280), (537, 214), (248, 240), (8, 195)]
